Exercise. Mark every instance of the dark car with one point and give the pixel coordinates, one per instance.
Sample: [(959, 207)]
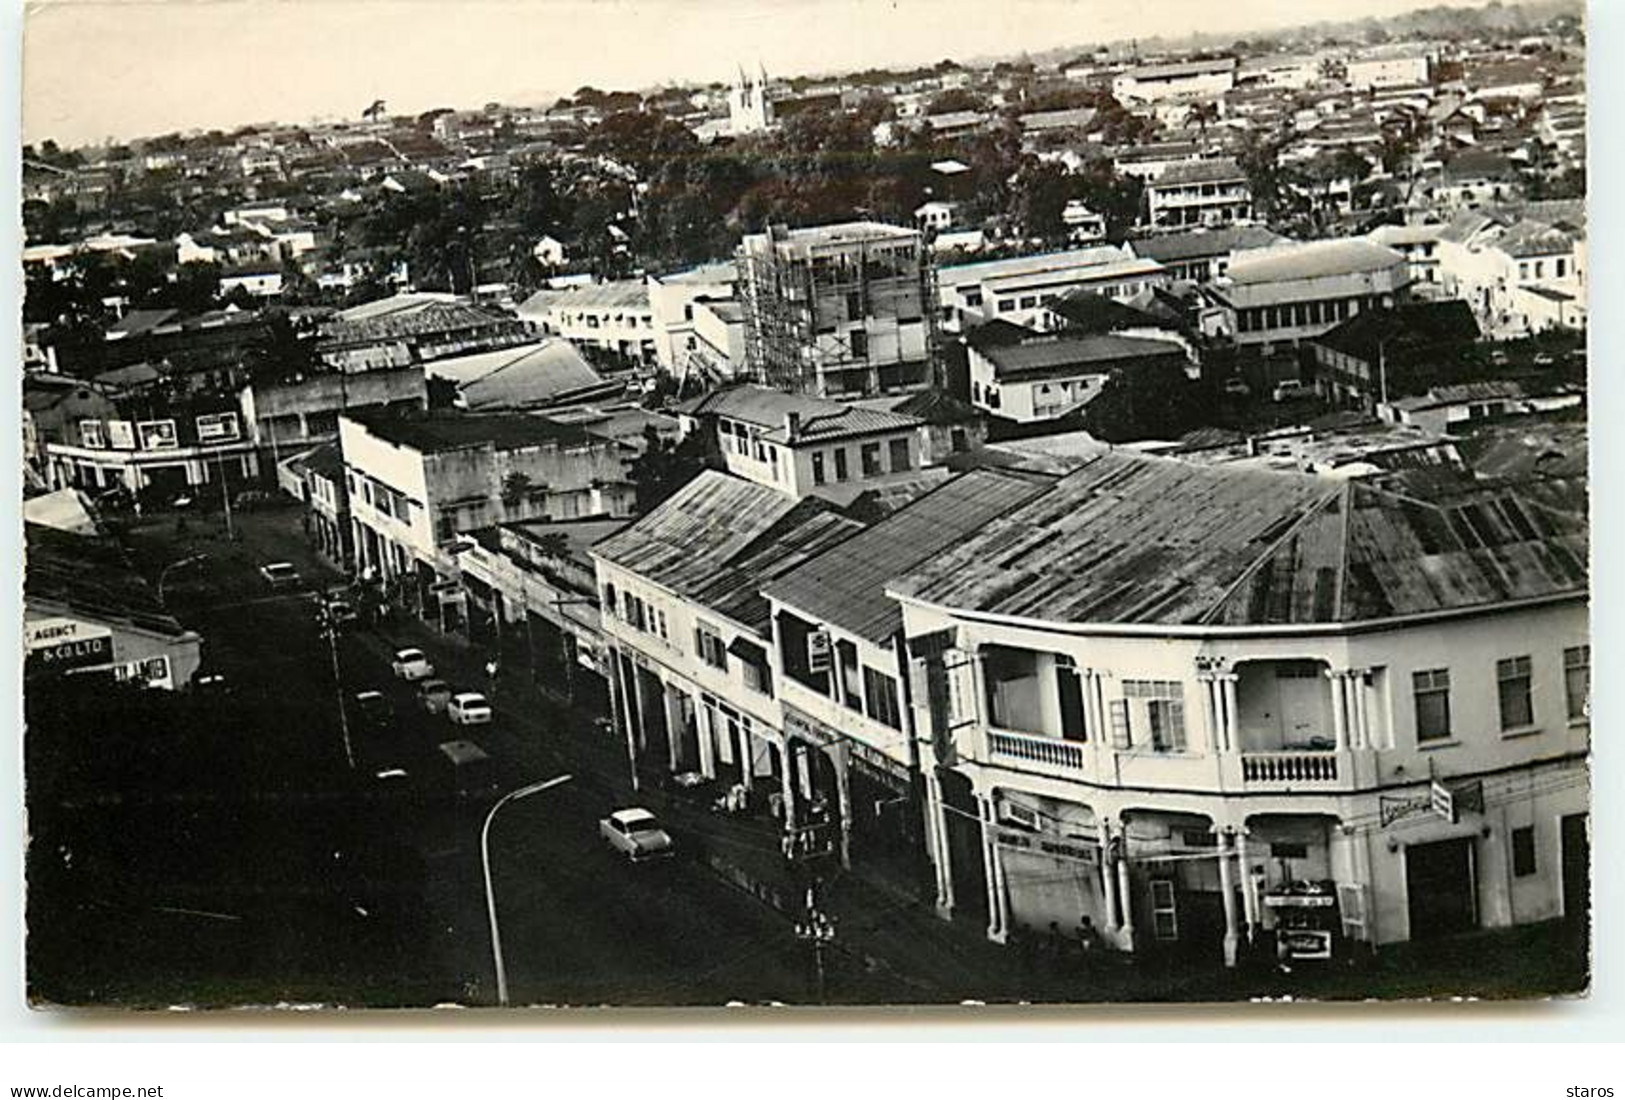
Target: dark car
[(373, 710)]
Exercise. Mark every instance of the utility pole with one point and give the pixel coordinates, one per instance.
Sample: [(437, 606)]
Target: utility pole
[(330, 631), (225, 498), (817, 930)]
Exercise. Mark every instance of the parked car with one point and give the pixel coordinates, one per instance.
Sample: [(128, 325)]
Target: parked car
[(468, 708), (411, 664), (279, 574), (1545, 359), (1236, 387), (373, 709), (341, 613), (637, 834), (1290, 390), (210, 683), (433, 695)]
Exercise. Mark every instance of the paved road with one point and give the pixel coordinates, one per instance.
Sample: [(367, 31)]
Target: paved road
[(390, 869)]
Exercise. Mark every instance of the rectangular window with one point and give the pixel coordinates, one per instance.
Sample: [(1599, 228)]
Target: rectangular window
[(1523, 851), (1069, 694), (899, 455), (1577, 681), (880, 698), (1156, 713), (1512, 682), (1006, 305), (869, 456), (818, 467), (860, 344), (854, 306), (846, 656), (1121, 734), (709, 645), (758, 677), (840, 464), (1164, 914), (1431, 690)]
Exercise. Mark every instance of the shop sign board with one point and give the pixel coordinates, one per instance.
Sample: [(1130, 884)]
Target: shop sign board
[(158, 435), (57, 646)]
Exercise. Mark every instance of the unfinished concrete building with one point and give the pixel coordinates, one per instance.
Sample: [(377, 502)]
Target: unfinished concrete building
[(837, 310)]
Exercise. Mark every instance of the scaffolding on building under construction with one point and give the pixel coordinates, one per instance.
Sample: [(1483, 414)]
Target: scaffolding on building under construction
[(799, 306)]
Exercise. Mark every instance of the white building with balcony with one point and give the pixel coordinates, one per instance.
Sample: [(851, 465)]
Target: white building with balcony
[(1165, 696), (1199, 193), (689, 636)]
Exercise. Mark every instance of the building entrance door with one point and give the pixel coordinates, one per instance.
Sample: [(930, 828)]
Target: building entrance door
[(1439, 887), (1576, 842)]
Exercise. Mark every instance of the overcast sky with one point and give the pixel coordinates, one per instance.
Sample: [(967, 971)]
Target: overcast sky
[(95, 69)]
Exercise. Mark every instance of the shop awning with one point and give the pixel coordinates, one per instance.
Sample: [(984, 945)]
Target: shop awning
[(747, 651)]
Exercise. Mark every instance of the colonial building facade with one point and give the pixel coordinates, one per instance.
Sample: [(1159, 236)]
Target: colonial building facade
[(1172, 699)]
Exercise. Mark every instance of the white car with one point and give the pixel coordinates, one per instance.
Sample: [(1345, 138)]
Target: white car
[(468, 708), (411, 664), (1290, 390), (637, 834), (279, 574)]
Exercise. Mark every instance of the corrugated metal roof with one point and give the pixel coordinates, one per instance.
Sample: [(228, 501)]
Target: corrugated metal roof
[(1135, 539), (719, 538), (1198, 171), (1310, 260), (846, 586), (819, 418), (1098, 351)]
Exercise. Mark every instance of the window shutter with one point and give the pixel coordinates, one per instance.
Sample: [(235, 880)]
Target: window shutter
[(1120, 729), (1176, 725)]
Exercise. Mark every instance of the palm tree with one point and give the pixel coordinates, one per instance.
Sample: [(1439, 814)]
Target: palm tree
[(375, 111), (1200, 114)]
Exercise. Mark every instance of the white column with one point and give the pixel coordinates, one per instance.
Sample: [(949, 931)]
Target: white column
[(747, 754), (1124, 896), (1210, 714), (787, 782), (1001, 889), (1090, 711), (843, 801), (1362, 711), (1108, 875), (937, 826), (1227, 894), (704, 731), (991, 873), (1249, 888), (1232, 725), (1339, 719)]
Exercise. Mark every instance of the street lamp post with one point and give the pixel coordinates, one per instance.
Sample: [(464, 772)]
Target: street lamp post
[(490, 892), (163, 574)]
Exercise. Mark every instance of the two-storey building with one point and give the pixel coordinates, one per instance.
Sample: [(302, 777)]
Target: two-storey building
[(839, 647), (1199, 192), (415, 483), (689, 635), (1164, 696), (806, 446), (1294, 292)]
